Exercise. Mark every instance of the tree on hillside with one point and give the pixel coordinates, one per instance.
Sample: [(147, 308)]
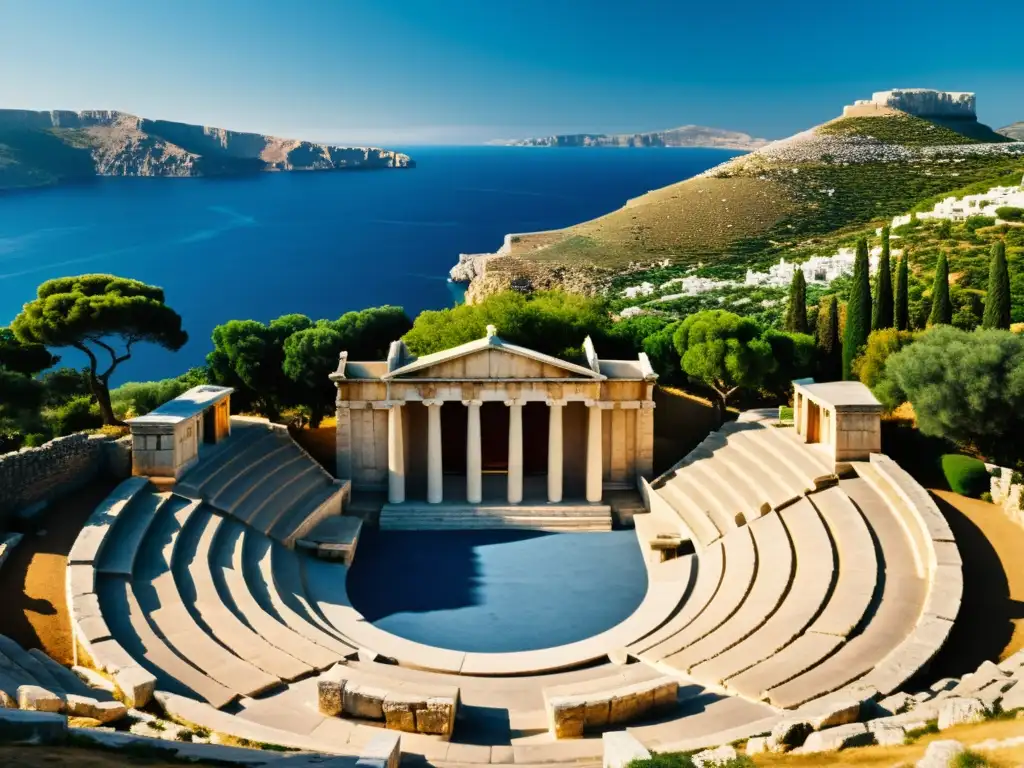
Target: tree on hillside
[(725, 352), (942, 307), (367, 334), (901, 310), (869, 366), (795, 356), (97, 314), (858, 309), (660, 348), (882, 309), (830, 351), (966, 386), (796, 310), (997, 299), (21, 358)]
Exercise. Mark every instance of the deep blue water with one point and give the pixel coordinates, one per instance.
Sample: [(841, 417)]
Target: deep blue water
[(316, 243), (490, 591)]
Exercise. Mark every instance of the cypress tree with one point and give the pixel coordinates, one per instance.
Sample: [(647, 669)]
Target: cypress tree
[(796, 312), (942, 307), (997, 300), (882, 310), (858, 310), (827, 341), (902, 308)]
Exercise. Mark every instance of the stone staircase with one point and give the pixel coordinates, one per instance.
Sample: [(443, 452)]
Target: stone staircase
[(421, 516)]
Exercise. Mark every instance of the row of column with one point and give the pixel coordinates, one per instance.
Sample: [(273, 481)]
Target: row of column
[(474, 462)]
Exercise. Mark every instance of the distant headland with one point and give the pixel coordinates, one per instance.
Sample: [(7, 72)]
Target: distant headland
[(43, 148), (686, 136)]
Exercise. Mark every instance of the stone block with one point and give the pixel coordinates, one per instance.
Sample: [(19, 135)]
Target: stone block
[(631, 706), (958, 711), (945, 684), (34, 698), (836, 713), (897, 703), (1013, 698), (939, 754), (788, 734), (7, 701), (400, 711), (103, 711), (666, 695), (364, 701), (566, 716), (710, 758), (438, 716), (597, 714), (887, 734), (840, 737), (620, 748), (330, 689), (757, 745), (94, 679), (136, 685), (1013, 663), (28, 727), (382, 751)]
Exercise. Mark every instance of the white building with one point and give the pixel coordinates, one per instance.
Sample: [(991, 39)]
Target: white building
[(958, 209)]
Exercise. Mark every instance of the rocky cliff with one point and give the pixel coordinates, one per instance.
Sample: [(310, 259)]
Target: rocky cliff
[(686, 136), (39, 148), (1013, 131)]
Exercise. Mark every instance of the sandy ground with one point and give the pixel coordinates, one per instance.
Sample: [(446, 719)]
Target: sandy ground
[(33, 609)]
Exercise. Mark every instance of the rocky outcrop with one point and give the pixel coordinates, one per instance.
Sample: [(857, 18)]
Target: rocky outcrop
[(38, 148), (925, 102), (685, 136), (1013, 131)]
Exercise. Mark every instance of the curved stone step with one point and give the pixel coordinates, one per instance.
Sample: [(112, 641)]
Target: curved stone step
[(128, 532), (681, 497), (21, 665), (707, 487), (279, 500), (299, 514), (273, 483), (249, 479), (212, 461), (241, 462)]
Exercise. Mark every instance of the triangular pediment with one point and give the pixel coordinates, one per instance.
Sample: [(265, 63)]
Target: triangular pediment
[(491, 358)]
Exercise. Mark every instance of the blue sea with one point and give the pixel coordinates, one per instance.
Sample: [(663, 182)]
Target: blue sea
[(316, 243)]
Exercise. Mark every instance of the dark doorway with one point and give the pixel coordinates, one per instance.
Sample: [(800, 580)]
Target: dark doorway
[(494, 437), (535, 438), (454, 421), (210, 426)]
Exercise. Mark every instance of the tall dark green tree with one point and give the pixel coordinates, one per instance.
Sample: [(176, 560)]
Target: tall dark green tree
[(901, 312), (942, 306), (796, 312), (830, 351), (882, 309), (997, 300), (858, 310)]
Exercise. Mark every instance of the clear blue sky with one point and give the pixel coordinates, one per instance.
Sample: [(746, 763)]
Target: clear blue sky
[(467, 71)]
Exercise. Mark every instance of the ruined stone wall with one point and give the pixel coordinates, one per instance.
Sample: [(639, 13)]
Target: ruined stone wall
[(33, 476), (927, 103)]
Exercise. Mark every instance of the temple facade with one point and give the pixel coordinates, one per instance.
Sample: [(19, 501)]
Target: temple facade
[(493, 422)]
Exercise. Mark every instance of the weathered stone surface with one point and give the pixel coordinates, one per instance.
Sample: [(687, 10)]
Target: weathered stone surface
[(94, 679), (400, 711), (957, 711), (710, 758), (136, 685), (840, 737), (897, 703), (104, 711), (1014, 698), (84, 722), (597, 714), (788, 734), (437, 717), (630, 706), (364, 701), (330, 689), (33, 698), (986, 674), (1013, 663), (621, 748), (939, 754), (887, 734), (757, 745), (945, 684), (836, 713), (32, 727), (382, 751), (566, 716), (666, 695), (160, 729)]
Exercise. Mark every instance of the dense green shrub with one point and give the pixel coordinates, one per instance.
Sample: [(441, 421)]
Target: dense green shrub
[(965, 474), (78, 414), (858, 310), (974, 223), (1010, 213)]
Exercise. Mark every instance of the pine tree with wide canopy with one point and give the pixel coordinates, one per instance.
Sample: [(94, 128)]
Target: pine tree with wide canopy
[(997, 299), (882, 309), (942, 306), (796, 312), (103, 317), (901, 311), (858, 310)]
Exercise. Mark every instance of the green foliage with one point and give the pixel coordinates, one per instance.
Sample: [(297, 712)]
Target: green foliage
[(76, 415), (901, 308), (942, 307), (725, 352), (310, 356), (830, 351), (882, 309), (795, 357), (552, 322), (1010, 213), (976, 222), (685, 760), (796, 309), (997, 298), (660, 348), (904, 130), (858, 310), (966, 475), (869, 366), (21, 358), (965, 386), (969, 759), (94, 314), (62, 384), (139, 398)]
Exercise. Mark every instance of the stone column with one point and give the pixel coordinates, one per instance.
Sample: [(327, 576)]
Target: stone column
[(595, 463), (396, 455), (515, 451), (555, 459), (435, 468), (645, 440), (474, 460), (343, 440)]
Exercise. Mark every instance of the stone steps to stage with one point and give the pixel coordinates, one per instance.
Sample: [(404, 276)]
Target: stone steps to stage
[(548, 517)]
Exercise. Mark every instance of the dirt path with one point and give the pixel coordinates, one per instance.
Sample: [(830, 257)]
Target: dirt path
[(991, 620), (33, 610)]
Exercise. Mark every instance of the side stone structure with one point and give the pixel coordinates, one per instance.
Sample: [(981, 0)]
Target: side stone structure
[(37, 476)]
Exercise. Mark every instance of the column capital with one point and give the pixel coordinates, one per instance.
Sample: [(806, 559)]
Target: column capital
[(514, 402), (647, 405), (357, 405), (554, 403), (628, 405), (603, 404), (470, 403), (385, 404), (433, 402)]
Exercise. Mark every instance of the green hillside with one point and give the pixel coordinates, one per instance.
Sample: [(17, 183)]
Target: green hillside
[(745, 212)]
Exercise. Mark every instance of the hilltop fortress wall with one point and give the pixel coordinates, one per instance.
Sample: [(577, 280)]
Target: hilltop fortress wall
[(921, 102)]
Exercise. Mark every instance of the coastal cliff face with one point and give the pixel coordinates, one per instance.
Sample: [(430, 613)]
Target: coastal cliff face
[(686, 136), (39, 148)]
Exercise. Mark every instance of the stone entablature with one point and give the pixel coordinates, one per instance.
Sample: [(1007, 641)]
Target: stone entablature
[(842, 416), (599, 421)]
